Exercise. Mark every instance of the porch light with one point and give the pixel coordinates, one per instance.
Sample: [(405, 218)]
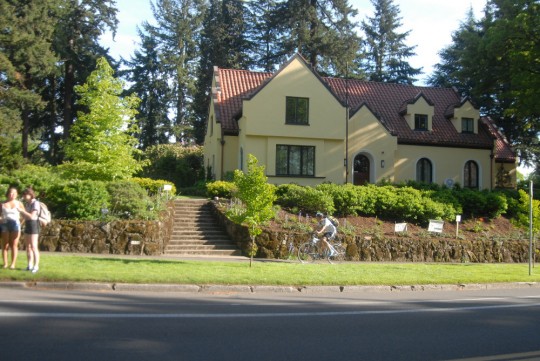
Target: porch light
[(382, 163)]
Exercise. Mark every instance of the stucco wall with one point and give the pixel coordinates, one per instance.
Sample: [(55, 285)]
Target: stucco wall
[(263, 125), (369, 137), (446, 162)]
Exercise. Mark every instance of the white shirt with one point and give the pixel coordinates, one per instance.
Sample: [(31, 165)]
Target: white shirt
[(327, 226)]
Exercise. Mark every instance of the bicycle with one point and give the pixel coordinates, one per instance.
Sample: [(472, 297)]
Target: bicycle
[(311, 252)]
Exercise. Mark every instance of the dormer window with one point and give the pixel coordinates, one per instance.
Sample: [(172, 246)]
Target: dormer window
[(464, 117), (420, 122), (467, 125), (419, 113), (297, 111)]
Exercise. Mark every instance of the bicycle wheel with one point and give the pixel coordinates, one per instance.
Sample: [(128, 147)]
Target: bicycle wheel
[(339, 255), (307, 252)]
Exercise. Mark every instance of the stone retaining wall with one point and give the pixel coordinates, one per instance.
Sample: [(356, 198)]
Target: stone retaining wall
[(271, 244), (151, 237), (117, 237)]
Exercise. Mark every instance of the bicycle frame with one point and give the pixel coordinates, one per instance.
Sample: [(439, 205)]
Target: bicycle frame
[(312, 251)]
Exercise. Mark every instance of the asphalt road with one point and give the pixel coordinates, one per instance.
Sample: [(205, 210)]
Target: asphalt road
[(426, 325)]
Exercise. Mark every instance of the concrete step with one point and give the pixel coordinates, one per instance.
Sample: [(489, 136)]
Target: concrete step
[(186, 233), (194, 241), (204, 247), (206, 253), (196, 232)]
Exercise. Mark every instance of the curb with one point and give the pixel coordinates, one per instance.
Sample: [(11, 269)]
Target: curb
[(221, 289)]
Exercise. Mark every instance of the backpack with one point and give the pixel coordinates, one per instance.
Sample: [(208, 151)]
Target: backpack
[(44, 216), (334, 221)]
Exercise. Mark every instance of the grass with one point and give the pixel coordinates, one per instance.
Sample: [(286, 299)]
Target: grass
[(87, 268)]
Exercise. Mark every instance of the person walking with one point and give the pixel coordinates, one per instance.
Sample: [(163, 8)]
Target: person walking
[(11, 226), (31, 228)]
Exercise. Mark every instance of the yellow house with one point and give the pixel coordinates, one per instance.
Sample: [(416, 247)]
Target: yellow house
[(308, 129)]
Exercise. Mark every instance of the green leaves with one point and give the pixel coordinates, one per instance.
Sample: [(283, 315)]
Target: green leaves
[(256, 196), (495, 61), (102, 146)]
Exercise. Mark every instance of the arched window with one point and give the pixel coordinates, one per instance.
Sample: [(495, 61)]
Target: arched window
[(470, 175), (424, 171)]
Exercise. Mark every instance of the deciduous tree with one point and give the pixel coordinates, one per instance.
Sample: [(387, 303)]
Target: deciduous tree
[(257, 198), (101, 145)]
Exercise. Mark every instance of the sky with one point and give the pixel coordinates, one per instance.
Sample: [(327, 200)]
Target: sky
[(431, 23)]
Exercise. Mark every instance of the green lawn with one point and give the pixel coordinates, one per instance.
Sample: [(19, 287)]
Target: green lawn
[(61, 267)]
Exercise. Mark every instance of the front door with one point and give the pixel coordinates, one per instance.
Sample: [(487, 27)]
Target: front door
[(361, 170)]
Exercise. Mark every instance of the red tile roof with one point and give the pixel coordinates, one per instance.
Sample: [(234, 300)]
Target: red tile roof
[(386, 100), (232, 86)]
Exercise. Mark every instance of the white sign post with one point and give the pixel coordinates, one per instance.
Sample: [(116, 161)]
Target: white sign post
[(458, 219)]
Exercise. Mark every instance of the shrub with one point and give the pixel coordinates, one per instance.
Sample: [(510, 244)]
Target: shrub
[(523, 212), (199, 190), (495, 204), (38, 177), (221, 189), (367, 196), (346, 198), (153, 186), (178, 164), (128, 200), (447, 197), (79, 199), (305, 199)]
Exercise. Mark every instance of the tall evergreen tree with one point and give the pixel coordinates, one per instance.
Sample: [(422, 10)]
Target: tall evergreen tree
[(263, 31), (385, 48), (177, 29), (81, 24), (448, 72), (26, 60), (147, 75), (223, 43), (495, 62), (322, 31)]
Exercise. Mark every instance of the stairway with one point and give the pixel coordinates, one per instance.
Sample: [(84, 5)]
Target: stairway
[(196, 231)]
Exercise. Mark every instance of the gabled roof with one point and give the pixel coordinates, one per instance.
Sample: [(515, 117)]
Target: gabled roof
[(232, 86), (503, 151), (385, 101)]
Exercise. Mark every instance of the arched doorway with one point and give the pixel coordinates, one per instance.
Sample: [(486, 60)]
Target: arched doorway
[(361, 169)]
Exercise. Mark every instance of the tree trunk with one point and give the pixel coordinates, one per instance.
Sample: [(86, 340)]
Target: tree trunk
[(69, 84)]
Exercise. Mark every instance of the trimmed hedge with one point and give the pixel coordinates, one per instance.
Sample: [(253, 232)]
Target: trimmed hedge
[(414, 203)]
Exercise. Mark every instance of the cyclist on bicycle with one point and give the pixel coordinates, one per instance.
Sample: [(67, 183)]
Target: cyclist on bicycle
[(327, 230)]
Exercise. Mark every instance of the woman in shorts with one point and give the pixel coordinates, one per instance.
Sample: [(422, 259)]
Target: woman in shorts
[(31, 228), (11, 226)]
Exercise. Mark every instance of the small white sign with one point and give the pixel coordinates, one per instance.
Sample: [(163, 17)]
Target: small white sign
[(167, 187), (400, 227), (458, 218), (135, 243), (435, 226)]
